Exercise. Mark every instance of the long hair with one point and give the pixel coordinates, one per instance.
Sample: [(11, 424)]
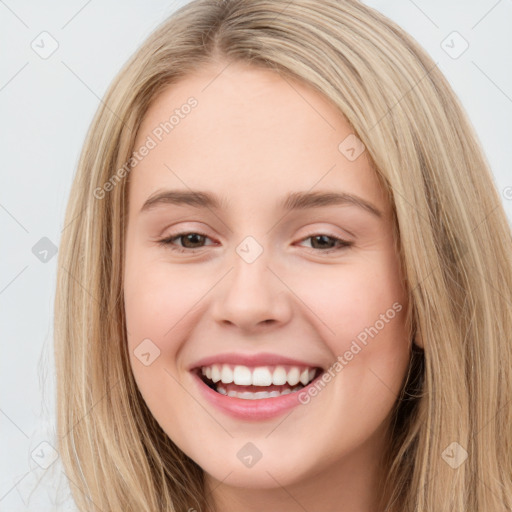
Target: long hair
[(451, 445)]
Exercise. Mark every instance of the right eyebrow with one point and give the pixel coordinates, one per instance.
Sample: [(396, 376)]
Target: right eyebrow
[(194, 198)]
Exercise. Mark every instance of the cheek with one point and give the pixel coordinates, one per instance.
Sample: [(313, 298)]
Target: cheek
[(158, 299), (159, 309), (352, 299), (361, 312), (152, 308), (156, 309)]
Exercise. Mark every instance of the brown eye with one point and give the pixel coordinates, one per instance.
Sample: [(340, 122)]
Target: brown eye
[(189, 241), (326, 243)]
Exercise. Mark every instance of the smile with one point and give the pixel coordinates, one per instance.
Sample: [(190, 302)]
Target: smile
[(254, 393), (247, 382)]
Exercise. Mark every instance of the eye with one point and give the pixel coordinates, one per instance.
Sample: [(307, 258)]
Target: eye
[(194, 240), (191, 241), (322, 239)]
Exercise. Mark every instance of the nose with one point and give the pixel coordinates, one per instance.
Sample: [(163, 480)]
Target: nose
[(252, 297)]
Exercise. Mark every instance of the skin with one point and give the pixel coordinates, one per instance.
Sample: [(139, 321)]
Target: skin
[(252, 139)]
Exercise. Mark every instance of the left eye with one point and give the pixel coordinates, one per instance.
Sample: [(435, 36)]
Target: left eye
[(339, 243), (193, 240)]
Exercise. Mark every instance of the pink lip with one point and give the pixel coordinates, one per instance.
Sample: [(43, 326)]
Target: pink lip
[(243, 409), (251, 360)]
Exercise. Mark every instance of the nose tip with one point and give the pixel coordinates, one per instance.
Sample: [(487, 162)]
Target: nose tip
[(251, 297)]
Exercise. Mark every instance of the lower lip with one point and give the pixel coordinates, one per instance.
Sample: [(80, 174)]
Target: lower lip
[(245, 409)]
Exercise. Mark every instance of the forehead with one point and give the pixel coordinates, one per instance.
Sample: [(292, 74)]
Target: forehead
[(250, 132)]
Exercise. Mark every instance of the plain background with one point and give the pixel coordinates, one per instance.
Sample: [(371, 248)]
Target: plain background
[(47, 105)]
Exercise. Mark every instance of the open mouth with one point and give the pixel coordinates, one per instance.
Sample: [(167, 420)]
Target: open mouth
[(256, 383)]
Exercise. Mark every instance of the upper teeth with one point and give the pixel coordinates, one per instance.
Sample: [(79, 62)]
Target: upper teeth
[(258, 376)]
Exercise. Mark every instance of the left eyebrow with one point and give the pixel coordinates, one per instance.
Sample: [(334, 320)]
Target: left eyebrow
[(304, 200), (293, 201)]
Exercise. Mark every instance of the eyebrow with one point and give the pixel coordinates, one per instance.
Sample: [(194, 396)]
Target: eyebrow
[(293, 201)]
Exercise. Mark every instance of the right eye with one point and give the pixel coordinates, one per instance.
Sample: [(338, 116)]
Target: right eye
[(190, 237)]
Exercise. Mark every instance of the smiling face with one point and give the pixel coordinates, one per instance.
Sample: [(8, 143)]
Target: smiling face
[(262, 275)]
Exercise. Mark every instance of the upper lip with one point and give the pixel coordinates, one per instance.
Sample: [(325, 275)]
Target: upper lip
[(252, 360)]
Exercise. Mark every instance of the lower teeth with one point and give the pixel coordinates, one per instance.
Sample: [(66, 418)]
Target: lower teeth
[(247, 395)]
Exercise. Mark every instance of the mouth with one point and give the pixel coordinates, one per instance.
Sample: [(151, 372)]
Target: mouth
[(256, 383)]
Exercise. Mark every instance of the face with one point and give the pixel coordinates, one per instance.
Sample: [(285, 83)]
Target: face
[(264, 287)]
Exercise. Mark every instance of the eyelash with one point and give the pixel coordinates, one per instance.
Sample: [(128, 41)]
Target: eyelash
[(167, 242)]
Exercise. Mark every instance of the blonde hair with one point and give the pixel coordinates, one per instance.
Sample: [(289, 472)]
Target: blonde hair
[(452, 237)]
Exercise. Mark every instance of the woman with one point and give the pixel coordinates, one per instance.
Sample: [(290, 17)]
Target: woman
[(252, 128)]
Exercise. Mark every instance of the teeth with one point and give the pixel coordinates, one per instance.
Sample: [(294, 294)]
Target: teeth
[(259, 376), (247, 395), (279, 376), (226, 374), (215, 373), (304, 377), (293, 376), (242, 376)]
